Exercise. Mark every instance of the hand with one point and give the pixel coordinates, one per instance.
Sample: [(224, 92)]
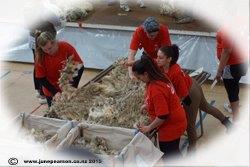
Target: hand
[(131, 75), (143, 109), (218, 75), (129, 63), (143, 129), (70, 78), (57, 96)]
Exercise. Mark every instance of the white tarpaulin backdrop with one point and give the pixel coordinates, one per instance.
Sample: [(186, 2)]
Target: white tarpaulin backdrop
[(99, 48)]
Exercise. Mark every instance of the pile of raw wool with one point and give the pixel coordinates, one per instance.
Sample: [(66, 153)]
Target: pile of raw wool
[(37, 135), (79, 11), (97, 145), (114, 101), (75, 10), (167, 8)]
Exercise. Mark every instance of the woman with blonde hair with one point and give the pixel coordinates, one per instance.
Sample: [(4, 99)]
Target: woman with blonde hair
[(51, 56)]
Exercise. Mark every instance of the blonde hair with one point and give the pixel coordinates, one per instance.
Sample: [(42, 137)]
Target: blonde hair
[(41, 40)]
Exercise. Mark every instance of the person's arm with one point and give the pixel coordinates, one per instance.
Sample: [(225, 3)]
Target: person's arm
[(131, 59), (79, 64), (156, 123), (71, 51), (45, 83), (77, 77), (143, 108), (161, 111), (223, 61), (134, 45)]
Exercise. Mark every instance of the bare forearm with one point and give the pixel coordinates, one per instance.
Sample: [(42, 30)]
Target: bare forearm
[(156, 123), (224, 59), (131, 59), (131, 56), (44, 82)]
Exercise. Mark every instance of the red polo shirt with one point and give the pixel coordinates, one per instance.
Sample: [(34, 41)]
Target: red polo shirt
[(224, 43), (181, 81), (52, 65), (161, 99), (140, 40)]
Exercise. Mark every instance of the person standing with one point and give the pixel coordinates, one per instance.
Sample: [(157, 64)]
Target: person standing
[(189, 92), (125, 6), (39, 27), (150, 36), (163, 107), (231, 68), (51, 56), (42, 16)]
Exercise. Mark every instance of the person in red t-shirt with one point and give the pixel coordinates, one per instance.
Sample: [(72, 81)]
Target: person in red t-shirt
[(163, 106), (188, 90), (41, 26), (51, 57), (150, 36), (231, 68)]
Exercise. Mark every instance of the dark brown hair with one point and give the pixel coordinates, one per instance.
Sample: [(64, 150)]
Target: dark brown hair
[(171, 51), (146, 64)]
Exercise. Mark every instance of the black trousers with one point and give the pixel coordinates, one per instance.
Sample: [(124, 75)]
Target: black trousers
[(232, 85), (37, 85), (49, 101), (232, 88), (170, 149)]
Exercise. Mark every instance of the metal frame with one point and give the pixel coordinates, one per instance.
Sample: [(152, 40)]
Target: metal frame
[(99, 76)]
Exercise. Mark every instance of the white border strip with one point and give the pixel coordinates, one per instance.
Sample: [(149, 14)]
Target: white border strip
[(129, 28)]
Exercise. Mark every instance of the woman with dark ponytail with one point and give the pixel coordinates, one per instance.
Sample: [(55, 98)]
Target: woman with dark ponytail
[(188, 90), (163, 106)]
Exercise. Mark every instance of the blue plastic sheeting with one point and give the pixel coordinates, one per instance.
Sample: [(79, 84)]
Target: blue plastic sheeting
[(100, 48)]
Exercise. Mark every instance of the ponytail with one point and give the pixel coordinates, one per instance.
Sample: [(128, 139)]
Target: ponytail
[(171, 51)]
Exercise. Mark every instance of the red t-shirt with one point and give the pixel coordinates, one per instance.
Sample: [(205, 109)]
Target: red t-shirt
[(180, 80), (224, 43), (161, 99), (140, 40), (52, 64)]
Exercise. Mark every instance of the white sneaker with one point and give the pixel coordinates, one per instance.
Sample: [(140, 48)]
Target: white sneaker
[(125, 7), (37, 94), (42, 100), (227, 108), (141, 3)]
